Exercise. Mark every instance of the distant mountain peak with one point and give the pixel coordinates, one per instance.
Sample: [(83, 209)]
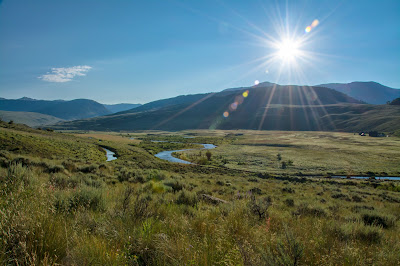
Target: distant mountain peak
[(265, 84), (27, 99)]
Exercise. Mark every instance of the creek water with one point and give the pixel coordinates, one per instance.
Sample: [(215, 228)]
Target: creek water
[(110, 155), (167, 155), (394, 178)]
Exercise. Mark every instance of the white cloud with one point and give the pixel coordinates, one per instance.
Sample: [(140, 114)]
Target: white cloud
[(65, 74)]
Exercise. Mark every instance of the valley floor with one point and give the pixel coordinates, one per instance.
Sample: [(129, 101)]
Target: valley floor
[(247, 202)]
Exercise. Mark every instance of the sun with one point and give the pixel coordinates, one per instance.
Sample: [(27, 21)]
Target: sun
[(288, 50)]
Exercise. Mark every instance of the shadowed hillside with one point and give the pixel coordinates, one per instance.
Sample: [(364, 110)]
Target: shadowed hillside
[(271, 108), (369, 92)]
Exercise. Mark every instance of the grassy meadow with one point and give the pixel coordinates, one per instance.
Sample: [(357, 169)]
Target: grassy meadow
[(62, 203)]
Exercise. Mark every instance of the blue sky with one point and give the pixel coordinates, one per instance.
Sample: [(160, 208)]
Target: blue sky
[(139, 51)]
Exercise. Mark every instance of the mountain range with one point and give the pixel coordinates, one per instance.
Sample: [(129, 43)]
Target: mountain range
[(369, 92), (258, 107), (58, 109), (263, 106)]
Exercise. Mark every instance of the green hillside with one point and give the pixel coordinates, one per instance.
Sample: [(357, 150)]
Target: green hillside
[(29, 118)]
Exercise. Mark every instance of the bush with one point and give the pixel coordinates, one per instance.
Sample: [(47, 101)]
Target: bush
[(86, 198), (307, 210), (70, 166), (208, 154), (255, 191), (89, 168), (220, 183), (16, 174), (288, 190), (260, 207), (357, 231), (341, 196), (175, 185), (187, 198), (371, 218), (288, 251), (61, 181), (289, 202)]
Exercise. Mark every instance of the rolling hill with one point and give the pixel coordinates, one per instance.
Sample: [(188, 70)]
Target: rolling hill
[(29, 118), (68, 110), (119, 107), (267, 108), (369, 92)]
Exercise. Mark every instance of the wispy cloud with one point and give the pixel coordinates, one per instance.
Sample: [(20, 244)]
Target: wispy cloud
[(65, 74)]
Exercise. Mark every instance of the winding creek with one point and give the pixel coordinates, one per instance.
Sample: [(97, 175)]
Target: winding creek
[(167, 155), (164, 155), (109, 154)]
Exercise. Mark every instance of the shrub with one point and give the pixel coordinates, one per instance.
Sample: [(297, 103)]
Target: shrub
[(288, 190), (357, 231), (260, 207), (187, 198), (307, 210), (155, 187), (89, 168), (289, 202), (16, 174), (376, 219), (288, 251), (85, 198), (341, 196), (3, 162), (175, 185), (61, 181), (356, 198), (70, 166), (208, 154), (220, 183), (21, 160), (255, 191), (141, 208)]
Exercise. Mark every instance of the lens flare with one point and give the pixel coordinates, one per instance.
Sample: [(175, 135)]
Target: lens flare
[(233, 106), (315, 23), (308, 29), (245, 94), (226, 114)]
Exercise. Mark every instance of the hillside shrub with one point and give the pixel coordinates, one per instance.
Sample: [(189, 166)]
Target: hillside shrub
[(187, 198), (306, 210), (62, 181), (175, 185), (259, 206), (373, 218), (85, 198)]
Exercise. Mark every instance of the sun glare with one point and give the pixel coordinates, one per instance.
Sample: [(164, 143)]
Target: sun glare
[(288, 50)]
